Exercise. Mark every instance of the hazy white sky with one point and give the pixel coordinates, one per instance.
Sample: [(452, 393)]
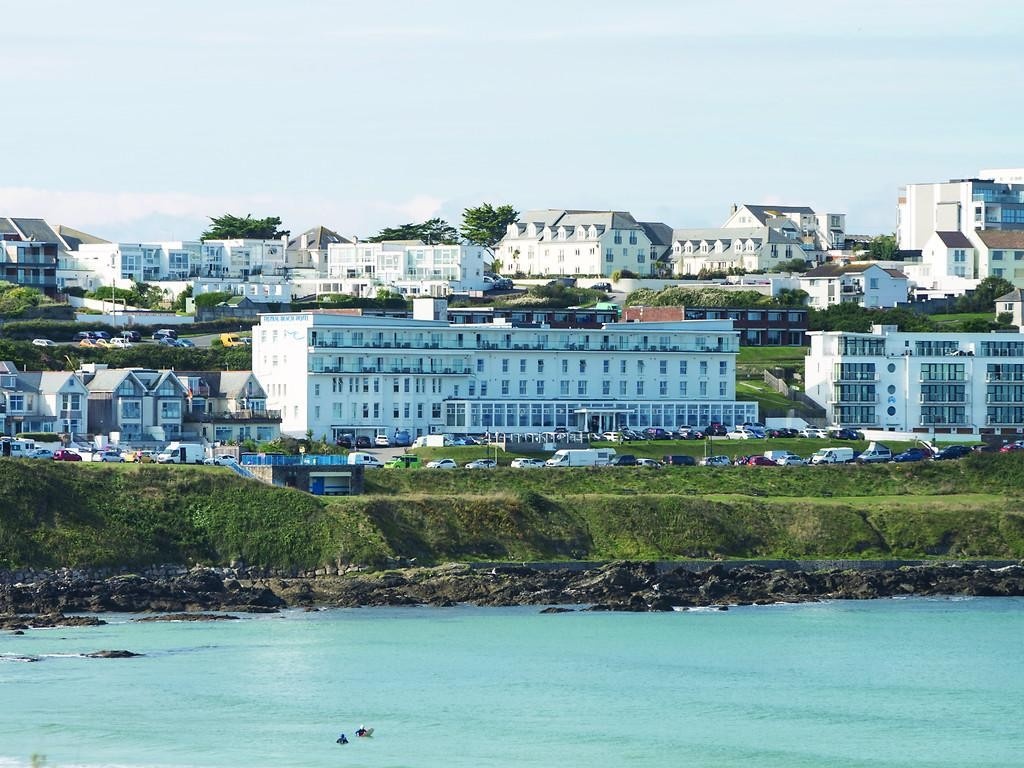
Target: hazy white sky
[(136, 120)]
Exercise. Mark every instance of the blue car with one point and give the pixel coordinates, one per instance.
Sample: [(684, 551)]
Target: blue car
[(911, 454)]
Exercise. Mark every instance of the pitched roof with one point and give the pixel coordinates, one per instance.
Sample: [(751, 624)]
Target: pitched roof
[(73, 238), (1016, 295), (764, 212), (34, 229), (230, 384), (317, 239), (955, 240), (764, 234), (857, 267), (1001, 238), (657, 232)]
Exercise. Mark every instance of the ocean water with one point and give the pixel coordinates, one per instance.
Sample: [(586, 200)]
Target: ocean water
[(922, 683)]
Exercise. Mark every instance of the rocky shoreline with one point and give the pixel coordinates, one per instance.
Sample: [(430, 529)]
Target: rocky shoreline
[(620, 586)]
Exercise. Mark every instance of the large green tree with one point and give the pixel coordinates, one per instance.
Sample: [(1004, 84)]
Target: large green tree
[(229, 227), (485, 225), (983, 298), (431, 232), (884, 248)]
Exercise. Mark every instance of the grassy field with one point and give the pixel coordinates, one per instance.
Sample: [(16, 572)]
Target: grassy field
[(100, 514), (955, 318), (766, 357)]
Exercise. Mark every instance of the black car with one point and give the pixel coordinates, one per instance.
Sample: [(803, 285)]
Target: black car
[(606, 287), (363, 442), (844, 434), (132, 336), (344, 441), (715, 429), (676, 460), (953, 452), (624, 460)]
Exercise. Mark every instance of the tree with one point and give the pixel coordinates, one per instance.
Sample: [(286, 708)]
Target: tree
[(884, 248), (431, 232), (485, 225), (179, 303), (228, 227), (791, 265), (983, 298)]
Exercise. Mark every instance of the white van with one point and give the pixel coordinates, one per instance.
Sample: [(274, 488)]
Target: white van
[(833, 456), (16, 448), (364, 459), (581, 457), (182, 453), (875, 453)]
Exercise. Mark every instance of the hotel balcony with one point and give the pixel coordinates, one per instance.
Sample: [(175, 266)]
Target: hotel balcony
[(250, 415)]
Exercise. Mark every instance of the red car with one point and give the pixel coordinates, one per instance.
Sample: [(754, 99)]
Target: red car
[(760, 461), (1017, 445), (63, 454)]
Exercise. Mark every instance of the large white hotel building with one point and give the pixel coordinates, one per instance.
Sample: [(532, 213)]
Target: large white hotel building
[(961, 383), (333, 373)]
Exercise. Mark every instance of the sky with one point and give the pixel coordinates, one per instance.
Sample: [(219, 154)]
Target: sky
[(137, 121)]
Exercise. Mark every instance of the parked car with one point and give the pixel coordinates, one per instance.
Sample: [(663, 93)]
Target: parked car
[(169, 332), (404, 461), (953, 452), (658, 433), (43, 343), (813, 432), (649, 463), (220, 461), (140, 457), (132, 336), (612, 437), (39, 453), (363, 442), (792, 460), (740, 433), (786, 432), (401, 438), (716, 429), (65, 454), (689, 433), (167, 341), (1016, 445), (526, 463), (716, 461), (606, 287), (844, 434), (111, 455), (188, 343), (679, 460), (911, 454), (623, 460), (87, 343), (83, 335), (482, 464), (382, 441), (442, 464), (760, 461), (120, 342), (345, 441)]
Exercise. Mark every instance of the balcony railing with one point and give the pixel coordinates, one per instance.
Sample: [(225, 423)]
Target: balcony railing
[(243, 415)]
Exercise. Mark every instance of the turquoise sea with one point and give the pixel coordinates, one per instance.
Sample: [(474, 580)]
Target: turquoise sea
[(916, 682)]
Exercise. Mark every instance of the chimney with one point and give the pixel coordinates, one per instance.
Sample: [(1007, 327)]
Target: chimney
[(304, 241), (735, 207)]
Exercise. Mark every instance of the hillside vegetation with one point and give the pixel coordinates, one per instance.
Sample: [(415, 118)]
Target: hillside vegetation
[(55, 514)]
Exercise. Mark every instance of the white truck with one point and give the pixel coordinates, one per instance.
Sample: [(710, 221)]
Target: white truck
[(832, 456), (581, 457), (182, 453)]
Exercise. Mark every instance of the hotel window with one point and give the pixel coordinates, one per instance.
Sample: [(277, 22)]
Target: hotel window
[(663, 388), (639, 388), (622, 388), (540, 387), (581, 387), (606, 387), (703, 367), (504, 387), (563, 388), (997, 255), (565, 366), (723, 368), (480, 366), (504, 365), (583, 366), (722, 389), (663, 367), (522, 366), (622, 366), (682, 389), (540, 366), (703, 389), (522, 387), (682, 367), (606, 366)]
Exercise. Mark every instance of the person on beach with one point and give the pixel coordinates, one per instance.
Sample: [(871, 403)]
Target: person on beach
[(342, 739)]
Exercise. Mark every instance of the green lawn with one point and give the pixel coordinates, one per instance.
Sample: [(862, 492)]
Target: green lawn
[(955, 318), (770, 356)]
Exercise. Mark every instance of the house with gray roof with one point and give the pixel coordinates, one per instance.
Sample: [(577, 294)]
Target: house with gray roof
[(1012, 302), (737, 249), (308, 250), (864, 283), (137, 403), (41, 401), (1000, 254), (819, 231), (560, 242), (228, 407)]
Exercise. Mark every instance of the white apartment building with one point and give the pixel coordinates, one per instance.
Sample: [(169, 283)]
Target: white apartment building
[(121, 264), (334, 373), (243, 258), (864, 283), (564, 242), (819, 231), (696, 251), (959, 383), (408, 267), (959, 205)]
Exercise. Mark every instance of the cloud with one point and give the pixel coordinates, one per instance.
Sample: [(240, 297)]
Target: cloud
[(142, 216)]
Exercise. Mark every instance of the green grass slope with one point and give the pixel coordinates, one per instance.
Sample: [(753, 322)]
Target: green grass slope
[(54, 514)]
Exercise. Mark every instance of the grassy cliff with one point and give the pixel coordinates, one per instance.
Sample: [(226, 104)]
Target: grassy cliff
[(94, 514)]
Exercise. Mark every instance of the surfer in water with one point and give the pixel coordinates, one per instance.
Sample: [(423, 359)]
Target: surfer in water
[(342, 740), (362, 731)]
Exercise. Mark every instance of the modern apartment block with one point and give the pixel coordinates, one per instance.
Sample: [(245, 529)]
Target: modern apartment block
[(408, 267), (921, 382), (31, 251), (337, 373), (966, 228), (565, 242), (757, 326)]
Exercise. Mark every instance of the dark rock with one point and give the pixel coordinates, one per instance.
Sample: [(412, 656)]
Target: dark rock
[(190, 617), (111, 655), (556, 609)]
